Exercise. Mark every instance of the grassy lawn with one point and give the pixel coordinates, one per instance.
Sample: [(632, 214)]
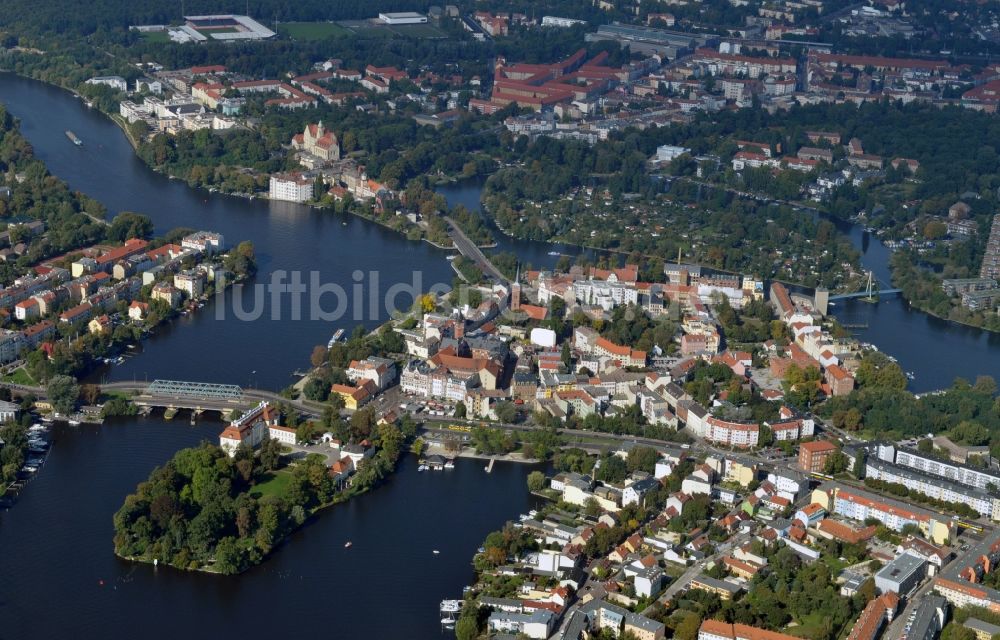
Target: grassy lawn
[(20, 376), (811, 627), (273, 484), (309, 31)]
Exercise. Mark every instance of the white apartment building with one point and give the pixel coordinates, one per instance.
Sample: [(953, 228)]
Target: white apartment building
[(937, 488), (291, 188), (937, 467), (191, 282), (606, 295)]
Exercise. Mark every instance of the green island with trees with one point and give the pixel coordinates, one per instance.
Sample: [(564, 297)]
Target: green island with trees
[(206, 511)]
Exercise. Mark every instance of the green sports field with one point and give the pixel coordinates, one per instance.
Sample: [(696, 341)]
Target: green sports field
[(307, 31)]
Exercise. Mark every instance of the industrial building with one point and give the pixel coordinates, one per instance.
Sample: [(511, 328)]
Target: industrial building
[(403, 17)]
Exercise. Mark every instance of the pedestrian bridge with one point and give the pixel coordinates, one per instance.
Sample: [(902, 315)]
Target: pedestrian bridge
[(866, 294)]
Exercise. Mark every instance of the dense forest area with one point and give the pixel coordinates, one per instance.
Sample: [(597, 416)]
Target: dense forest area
[(881, 407)]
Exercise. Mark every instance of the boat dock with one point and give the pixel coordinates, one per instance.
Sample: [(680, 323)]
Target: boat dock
[(489, 467)]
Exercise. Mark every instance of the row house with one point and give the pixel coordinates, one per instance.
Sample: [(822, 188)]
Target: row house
[(741, 435), (627, 356)]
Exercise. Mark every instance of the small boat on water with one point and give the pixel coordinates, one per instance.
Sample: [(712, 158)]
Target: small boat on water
[(449, 465), (74, 423), (72, 137), (347, 545), (337, 337), (436, 552), (554, 253)]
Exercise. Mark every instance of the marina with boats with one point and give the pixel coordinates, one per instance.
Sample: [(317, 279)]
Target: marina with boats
[(35, 455), (449, 612), (435, 462)]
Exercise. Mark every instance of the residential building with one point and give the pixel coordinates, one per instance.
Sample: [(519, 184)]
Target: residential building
[(355, 397), (983, 630), (291, 187), (876, 614), (381, 371), (933, 465), (990, 267), (537, 624), (813, 455), (724, 589), (637, 491), (207, 242), (929, 618), (191, 282), (934, 486), (167, 293), (137, 311), (861, 505), (718, 630), (100, 324)]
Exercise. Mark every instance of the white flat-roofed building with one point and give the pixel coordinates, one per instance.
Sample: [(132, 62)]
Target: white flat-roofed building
[(115, 82), (403, 17), (556, 21), (901, 575), (667, 152)]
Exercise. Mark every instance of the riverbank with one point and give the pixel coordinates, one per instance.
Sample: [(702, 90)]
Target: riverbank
[(470, 454)]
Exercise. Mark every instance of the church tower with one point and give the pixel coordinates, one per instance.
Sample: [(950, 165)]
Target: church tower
[(515, 291)]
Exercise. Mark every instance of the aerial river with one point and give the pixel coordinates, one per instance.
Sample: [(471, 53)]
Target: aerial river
[(58, 576)]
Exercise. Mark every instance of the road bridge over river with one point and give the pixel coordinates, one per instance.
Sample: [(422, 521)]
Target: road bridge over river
[(469, 249), (196, 396)]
